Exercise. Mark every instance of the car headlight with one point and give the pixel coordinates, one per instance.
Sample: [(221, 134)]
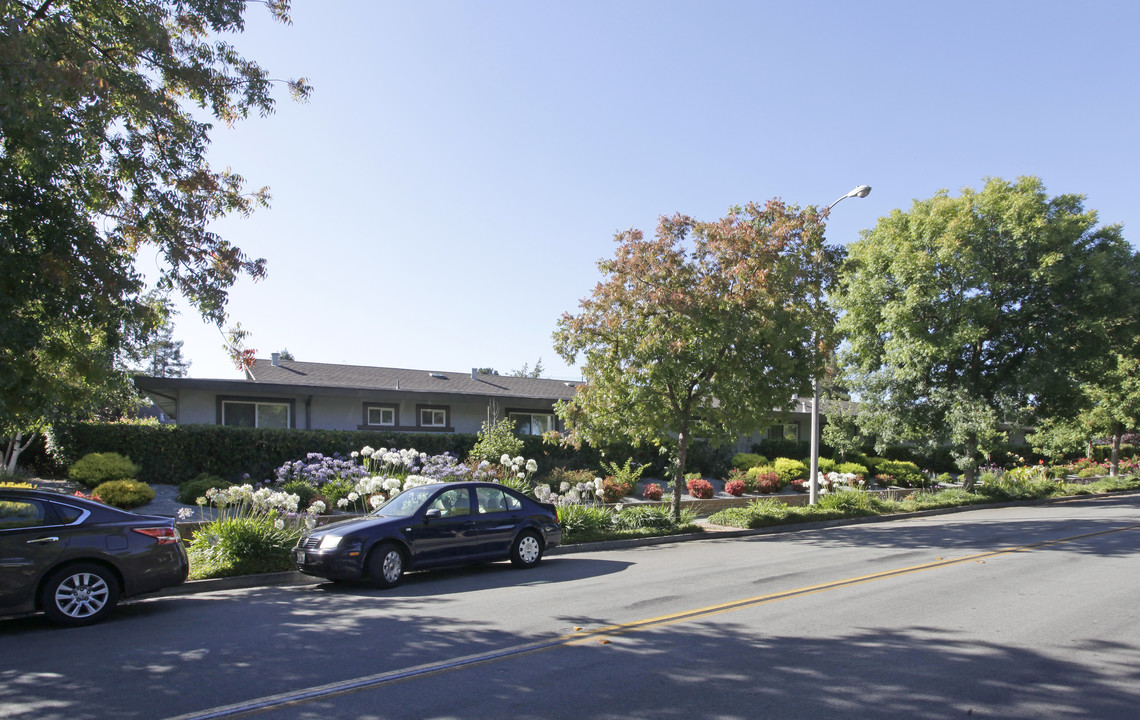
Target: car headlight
[(328, 542)]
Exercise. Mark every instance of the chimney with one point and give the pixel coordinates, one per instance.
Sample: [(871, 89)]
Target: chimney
[(275, 358), (474, 373)]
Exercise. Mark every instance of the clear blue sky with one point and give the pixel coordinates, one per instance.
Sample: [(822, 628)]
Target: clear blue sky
[(462, 166)]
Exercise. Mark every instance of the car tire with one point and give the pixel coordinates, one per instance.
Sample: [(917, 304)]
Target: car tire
[(79, 594), (386, 565), (526, 550)]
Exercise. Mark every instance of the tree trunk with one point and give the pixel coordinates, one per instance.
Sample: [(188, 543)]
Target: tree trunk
[(970, 472), (12, 453), (679, 473), (1117, 432)]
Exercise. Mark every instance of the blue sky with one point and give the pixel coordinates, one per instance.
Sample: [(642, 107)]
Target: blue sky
[(462, 166)]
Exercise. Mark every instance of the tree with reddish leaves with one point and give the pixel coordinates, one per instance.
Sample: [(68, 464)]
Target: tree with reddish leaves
[(705, 331)]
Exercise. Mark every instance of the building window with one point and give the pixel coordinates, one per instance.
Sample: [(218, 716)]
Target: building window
[(381, 415), (528, 423), (251, 414), (787, 431), (433, 417)]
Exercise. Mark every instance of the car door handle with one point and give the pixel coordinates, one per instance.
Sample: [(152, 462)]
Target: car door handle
[(43, 540)]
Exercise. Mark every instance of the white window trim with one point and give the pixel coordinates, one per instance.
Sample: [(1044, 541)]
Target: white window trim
[(381, 410), (432, 412)]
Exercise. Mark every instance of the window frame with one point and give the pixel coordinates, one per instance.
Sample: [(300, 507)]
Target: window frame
[(445, 409), (370, 406), (289, 404)]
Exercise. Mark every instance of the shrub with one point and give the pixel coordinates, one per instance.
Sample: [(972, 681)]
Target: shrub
[(626, 475), (303, 489), (496, 440), (734, 488), (560, 475), (125, 494), (789, 470), (826, 465), (699, 488), (851, 468), (945, 479), (731, 517), (612, 490), (335, 490), (190, 491), (767, 481), (581, 521), (650, 517), (652, 491), (94, 469), (903, 472), (799, 485), (849, 503), (747, 461), (242, 545)]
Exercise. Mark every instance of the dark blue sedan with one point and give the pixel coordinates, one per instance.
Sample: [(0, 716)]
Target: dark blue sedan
[(432, 526)]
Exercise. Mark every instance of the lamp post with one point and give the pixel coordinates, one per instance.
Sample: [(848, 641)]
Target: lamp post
[(813, 471)]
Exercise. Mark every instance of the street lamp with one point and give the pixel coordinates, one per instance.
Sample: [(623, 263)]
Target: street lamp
[(813, 477)]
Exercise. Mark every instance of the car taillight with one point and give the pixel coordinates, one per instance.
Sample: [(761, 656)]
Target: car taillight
[(164, 535)]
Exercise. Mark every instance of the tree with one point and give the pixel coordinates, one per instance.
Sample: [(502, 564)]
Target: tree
[(1109, 408), (527, 372), (700, 332), (101, 157), (967, 315), (163, 354)]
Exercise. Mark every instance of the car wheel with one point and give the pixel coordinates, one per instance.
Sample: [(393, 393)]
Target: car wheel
[(386, 565), (527, 550), (79, 594)]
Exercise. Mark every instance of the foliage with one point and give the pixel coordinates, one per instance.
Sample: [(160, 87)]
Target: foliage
[(734, 487), (305, 491), (242, 546), (652, 491), (699, 488), (650, 517), (106, 110), (788, 470), (582, 520), (191, 490), (594, 523), (826, 465), (97, 468), (851, 467), (902, 473), (497, 439), (560, 475), (747, 461), (841, 430), (701, 331), (1018, 486), (953, 317), (765, 478), (612, 490), (626, 476), (125, 494)]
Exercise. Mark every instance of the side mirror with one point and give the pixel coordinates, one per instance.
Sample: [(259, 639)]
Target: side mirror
[(433, 514)]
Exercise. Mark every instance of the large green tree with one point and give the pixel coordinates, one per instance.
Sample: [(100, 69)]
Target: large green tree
[(967, 315), (103, 156), (699, 332), (1109, 408)]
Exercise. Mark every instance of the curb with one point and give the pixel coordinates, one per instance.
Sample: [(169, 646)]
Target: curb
[(282, 579)]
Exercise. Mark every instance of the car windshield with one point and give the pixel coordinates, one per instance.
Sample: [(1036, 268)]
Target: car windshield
[(406, 503)]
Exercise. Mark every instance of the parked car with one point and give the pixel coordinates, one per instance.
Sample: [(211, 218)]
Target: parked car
[(74, 558), (432, 526)]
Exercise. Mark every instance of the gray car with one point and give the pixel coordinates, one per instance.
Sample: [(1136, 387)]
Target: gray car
[(432, 526), (74, 559)]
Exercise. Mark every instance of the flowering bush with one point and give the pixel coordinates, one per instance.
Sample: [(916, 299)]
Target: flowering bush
[(652, 491), (583, 493), (699, 488), (612, 490), (626, 476), (798, 485), (734, 487)]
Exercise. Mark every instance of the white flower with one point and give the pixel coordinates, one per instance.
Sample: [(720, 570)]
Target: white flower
[(317, 507), (355, 454), (521, 476), (366, 451), (376, 501), (531, 466), (352, 497), (618, 507), (519, 460), (342, 503), (564, 487), (505, 459), (185, 513), (279, 524)]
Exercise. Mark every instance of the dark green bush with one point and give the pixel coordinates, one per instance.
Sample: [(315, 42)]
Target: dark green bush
[(125, 494), (94, 469), (303, 489), (190, 491)]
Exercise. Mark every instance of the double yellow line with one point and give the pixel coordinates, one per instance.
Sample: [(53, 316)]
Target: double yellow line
[(601, 634)]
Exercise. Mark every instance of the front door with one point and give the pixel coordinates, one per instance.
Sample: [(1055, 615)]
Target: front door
[(30, 541), (451, 537)]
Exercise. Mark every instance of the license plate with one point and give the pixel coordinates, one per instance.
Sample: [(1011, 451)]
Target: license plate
[(300, 557)]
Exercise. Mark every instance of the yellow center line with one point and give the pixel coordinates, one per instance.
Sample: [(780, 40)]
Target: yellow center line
[(577, 638)]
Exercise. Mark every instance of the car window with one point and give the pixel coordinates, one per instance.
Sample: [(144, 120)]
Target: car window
[(451, 503), (406, 503), (493, 500), (22, 513)]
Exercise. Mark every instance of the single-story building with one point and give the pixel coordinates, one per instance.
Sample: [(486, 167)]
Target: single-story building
[(278, 393)]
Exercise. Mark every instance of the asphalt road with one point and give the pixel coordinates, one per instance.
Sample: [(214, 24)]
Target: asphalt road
[(1020, 612)]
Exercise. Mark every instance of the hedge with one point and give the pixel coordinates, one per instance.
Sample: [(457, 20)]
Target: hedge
[(173, 454)]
